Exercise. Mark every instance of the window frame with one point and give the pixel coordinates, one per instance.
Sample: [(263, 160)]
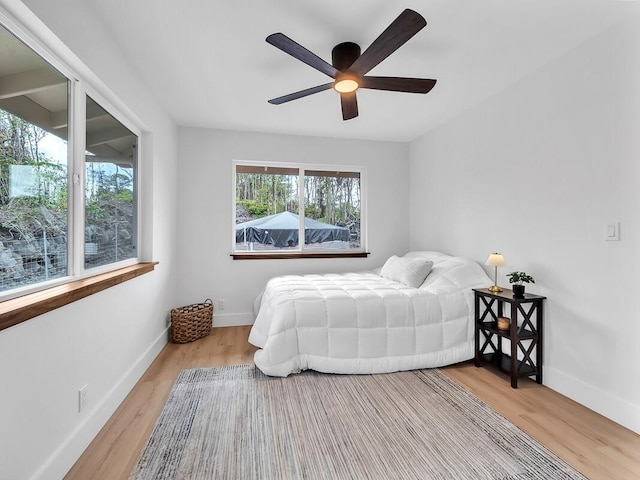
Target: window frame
[(79, 281), (80, 168), (302, 252)]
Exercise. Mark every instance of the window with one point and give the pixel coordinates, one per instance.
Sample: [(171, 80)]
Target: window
[(270, 200), (66, 174), (33, 167), (110, 193)]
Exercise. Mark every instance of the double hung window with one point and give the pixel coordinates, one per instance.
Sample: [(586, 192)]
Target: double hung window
[(293, 209)]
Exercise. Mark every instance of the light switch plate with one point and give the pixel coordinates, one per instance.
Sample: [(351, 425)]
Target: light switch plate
[(612, 232)]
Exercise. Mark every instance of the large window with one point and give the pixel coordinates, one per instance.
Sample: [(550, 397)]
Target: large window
[(68, 180), (293, 209)]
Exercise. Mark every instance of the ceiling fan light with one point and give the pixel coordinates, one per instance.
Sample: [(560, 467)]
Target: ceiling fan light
[(346, 85)]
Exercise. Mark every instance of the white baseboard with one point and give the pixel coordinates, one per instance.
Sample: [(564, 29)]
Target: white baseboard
[(617, 409), (232, 319), (63, 458)]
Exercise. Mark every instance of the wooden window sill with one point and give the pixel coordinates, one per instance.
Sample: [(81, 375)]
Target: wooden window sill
[(272, 256), (20, 309)]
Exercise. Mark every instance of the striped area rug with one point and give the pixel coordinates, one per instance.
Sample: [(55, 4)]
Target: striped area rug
[(236, 423)]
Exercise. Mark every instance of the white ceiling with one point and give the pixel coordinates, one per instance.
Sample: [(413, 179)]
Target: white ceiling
[(208, 63)]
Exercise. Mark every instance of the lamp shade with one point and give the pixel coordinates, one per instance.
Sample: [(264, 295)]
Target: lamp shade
[(495, 260)]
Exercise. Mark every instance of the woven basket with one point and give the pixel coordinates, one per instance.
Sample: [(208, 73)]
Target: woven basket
[(191, 322)]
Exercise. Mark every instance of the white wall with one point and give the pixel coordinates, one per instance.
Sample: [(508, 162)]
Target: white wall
[(106, 340), (205, 266), (536, 173)]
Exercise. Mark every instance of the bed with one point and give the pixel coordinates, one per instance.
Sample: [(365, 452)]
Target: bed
[(369, 322)]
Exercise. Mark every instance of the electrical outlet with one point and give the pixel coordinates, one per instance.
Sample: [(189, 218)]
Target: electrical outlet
[(82, 398), (221, 304)]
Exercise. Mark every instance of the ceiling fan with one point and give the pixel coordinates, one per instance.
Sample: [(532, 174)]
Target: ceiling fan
[(349, 68)]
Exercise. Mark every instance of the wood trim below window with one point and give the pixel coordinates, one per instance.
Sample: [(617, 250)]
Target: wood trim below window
[(20, 309), (279, 256)]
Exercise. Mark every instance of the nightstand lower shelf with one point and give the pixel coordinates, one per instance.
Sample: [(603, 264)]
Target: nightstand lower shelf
[(502, 362)]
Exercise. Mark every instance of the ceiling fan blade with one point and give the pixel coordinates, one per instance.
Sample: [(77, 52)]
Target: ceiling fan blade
[(296, 50), (397, 34), (302, 93), (398, 84), (349, 105)]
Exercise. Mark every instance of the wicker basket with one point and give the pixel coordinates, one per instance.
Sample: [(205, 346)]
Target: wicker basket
[(191, 322)]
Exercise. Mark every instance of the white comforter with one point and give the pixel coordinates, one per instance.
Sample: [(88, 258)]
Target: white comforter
[(364, 323)]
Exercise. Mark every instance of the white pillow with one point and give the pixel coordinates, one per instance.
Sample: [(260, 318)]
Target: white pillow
[(411, 272)]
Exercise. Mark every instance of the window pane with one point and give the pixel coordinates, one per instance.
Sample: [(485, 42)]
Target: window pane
[(332, 210), (267, 204), (33, 167), (110, 189)]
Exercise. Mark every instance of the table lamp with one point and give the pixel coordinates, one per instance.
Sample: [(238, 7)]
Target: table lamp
[(495, 260)]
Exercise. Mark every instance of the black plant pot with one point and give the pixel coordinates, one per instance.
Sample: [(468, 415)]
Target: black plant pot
[(518, 291)]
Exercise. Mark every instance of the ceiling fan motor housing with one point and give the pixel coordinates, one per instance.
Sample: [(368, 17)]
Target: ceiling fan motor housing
[(344, 54)]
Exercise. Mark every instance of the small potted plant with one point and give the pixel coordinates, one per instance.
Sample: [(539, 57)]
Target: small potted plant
[(518, 279)]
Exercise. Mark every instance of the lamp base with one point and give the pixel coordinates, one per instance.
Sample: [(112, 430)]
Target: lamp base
[(495, 289)]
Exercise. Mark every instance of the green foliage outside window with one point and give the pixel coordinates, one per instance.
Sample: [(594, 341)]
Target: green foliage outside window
[(34, 213)]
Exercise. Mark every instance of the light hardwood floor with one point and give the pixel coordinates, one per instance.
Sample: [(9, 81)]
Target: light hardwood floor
[(597, 447)]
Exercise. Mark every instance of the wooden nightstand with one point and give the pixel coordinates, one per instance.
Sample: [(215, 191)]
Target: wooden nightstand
[(524, 335)]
